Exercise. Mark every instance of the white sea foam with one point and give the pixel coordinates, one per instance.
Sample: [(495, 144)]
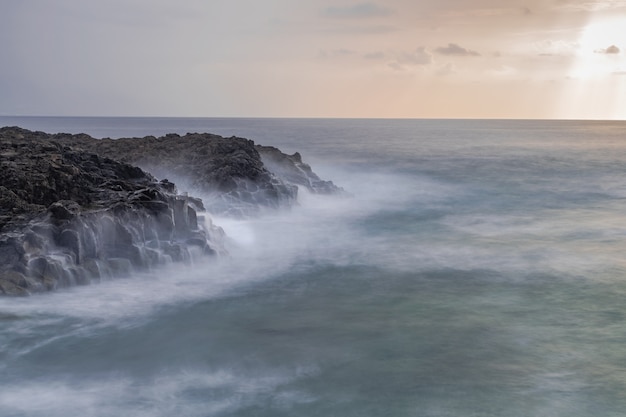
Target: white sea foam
[(334, 230), (319, 229), (185, 393)]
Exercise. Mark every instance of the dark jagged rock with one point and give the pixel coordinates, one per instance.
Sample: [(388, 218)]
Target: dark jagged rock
[(68, 217), (228, 170), (292, 170), (238, 176)]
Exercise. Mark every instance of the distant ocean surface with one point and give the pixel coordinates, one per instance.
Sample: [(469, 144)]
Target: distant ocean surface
[(479, 270)]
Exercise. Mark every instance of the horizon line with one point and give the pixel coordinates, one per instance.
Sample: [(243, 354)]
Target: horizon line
[(310, 118)]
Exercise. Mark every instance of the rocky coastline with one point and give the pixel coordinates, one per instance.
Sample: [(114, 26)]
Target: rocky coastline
[(74, 209)]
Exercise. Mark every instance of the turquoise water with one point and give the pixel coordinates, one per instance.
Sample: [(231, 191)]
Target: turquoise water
[(478, 270)]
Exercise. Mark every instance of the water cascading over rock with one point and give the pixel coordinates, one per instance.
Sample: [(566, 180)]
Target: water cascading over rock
[(75, 209), (69, 217)]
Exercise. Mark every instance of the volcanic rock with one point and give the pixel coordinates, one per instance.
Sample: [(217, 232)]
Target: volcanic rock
[(237, 176), (291, 169), (74, 209), (68, 217)]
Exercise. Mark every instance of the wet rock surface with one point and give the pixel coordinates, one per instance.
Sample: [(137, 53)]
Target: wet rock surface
[(74, 209), (68, 217)]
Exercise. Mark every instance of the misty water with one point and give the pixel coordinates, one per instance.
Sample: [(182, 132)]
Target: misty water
[(479, 269)]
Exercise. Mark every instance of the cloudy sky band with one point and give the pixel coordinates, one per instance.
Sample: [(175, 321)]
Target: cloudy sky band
[(315, 58)]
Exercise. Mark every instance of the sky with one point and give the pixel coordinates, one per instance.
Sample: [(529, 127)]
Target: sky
[(527, 59)]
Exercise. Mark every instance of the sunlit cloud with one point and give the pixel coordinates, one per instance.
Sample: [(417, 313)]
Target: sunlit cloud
[(592, 6), (610, 50), (556, 47), (489, 12)]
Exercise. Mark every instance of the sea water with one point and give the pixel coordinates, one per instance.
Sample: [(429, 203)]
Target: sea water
[(478, 269)]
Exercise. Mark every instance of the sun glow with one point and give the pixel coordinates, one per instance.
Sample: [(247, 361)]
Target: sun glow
[(596, 86), (600, 52)]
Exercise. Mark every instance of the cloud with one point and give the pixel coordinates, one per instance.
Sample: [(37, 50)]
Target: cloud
[(419, 57), (502, 71), (361, 29), (591, 5), (556, 47), (497, 10), (454, 49), (336, 53), (374, 55), (447, 69), (357, 11), (610, 50), (342, 52)]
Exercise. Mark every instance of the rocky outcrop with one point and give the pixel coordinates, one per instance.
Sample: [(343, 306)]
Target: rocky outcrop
[(292, 170), (68, 217), (237, 176), (75, 209), (227, 170)]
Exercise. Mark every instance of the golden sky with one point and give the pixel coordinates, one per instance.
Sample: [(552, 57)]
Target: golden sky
[(315, 58)]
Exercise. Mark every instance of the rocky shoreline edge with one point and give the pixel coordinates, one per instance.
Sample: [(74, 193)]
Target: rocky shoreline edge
[(75, 209)]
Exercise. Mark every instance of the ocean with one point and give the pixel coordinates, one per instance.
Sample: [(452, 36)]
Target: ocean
[(477, 270)]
